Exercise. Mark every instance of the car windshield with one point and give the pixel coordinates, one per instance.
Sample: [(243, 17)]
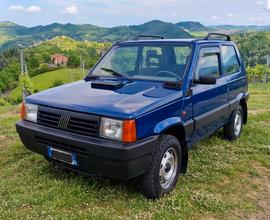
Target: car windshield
[(157, 62)]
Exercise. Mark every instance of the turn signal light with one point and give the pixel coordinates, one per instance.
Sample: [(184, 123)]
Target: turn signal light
[(129, 131)]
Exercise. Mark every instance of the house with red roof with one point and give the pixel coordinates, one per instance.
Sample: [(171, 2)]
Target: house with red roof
[(59, 59)]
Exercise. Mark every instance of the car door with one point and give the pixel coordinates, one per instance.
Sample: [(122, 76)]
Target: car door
[(210, 102)]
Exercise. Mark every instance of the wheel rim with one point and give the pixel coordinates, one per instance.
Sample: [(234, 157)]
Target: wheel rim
[(237, 123), (168, 168)]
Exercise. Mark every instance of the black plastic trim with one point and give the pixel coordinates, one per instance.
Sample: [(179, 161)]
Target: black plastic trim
[(208, 117)]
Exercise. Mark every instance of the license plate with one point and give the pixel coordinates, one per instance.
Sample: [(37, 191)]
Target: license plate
[(62, 156)]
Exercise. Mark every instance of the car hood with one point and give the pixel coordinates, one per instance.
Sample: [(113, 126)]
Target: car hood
[(129, 101)]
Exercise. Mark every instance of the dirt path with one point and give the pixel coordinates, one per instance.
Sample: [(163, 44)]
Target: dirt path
[(263, 197), (255, 112)]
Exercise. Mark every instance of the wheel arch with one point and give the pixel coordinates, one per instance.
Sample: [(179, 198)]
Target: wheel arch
[(174, 127), (243, 104)]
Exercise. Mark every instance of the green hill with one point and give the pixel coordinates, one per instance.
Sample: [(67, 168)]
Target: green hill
[(13, 34), (48, 80), (8, 31), (192, 26)]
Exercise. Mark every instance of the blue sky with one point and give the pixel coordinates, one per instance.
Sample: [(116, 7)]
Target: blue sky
[(110, 13)]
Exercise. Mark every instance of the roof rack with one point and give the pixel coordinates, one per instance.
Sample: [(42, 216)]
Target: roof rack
[(148, 36), (209, 35)]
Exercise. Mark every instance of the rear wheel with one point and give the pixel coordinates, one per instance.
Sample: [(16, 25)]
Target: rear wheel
[(232, 130), (164, 170)]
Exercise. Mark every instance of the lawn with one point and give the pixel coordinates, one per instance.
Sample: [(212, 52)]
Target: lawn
[(47, 80), (225, 180)]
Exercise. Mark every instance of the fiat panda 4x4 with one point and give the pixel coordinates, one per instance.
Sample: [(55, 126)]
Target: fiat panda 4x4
[(140, 109)]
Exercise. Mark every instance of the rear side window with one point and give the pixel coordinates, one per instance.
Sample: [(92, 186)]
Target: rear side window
[(208, 64), (230, 60)]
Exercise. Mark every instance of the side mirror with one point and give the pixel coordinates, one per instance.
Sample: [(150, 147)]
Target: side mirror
[(208, 80)]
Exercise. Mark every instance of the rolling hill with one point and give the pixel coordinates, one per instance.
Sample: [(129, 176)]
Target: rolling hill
[(12, 34), (193, 26)]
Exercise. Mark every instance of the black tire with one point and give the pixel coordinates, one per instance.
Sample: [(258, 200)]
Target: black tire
[(229, 130), (167, 146)]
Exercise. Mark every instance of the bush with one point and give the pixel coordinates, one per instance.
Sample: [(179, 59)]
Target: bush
[(57, 83), (3, 102), (43, 68)]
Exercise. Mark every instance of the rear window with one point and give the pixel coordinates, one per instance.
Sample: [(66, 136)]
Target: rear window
[(230, 60)]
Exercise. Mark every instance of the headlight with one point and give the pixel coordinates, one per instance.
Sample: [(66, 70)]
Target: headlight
[(119, 130), (111, 128), (29, 112)]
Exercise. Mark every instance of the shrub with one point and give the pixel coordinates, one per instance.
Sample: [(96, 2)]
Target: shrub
[(3, 102), (57, 83)]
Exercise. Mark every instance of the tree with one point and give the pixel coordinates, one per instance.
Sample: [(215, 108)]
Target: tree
[(259, 71), (73, 60)]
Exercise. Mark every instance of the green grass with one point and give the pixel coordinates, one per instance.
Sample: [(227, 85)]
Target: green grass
[(225, 180), (46, 80)]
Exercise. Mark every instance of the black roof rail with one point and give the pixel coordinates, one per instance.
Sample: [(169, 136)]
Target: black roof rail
[(148, 36), (209, 35)]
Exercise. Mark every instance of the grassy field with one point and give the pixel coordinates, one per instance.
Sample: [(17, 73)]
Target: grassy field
[(46, 80), (224, 180)]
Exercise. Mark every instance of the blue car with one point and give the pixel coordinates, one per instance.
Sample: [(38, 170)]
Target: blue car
[(140, 109)]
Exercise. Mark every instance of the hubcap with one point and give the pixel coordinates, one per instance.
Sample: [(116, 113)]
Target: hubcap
[(168, 168), (237, 123)]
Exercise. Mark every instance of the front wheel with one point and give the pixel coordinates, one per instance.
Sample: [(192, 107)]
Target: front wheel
[(164, 170), (232, 130)]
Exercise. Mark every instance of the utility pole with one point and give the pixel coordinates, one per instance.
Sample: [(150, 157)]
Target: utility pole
[(21, 59), (83, 67), (22, 70)]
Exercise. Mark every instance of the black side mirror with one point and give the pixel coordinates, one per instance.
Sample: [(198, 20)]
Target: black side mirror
[(208, 80)]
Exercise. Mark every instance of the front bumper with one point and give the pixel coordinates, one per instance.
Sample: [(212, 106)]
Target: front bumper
[(94, 155)]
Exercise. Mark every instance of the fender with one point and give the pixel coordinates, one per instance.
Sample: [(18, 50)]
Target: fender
[(235, 102), (169, 122)]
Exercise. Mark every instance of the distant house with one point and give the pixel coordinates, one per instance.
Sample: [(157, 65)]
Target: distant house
[(59, 59)]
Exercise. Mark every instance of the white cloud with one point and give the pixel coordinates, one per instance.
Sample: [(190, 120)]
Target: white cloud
[(16, 8), (33, 9), (260, 2), (20, 8), (230, 15), (72, 10), (268, 4), (214, 17)]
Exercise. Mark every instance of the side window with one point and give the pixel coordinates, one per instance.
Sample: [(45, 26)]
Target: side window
[(208, 64), (230, 60)]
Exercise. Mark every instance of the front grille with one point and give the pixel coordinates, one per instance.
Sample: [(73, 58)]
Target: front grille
[(74, 122), (62, 146)]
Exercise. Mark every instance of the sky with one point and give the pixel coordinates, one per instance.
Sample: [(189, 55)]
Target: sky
[(109, 13)]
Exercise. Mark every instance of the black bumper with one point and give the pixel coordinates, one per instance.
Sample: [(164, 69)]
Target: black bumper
[(95, 156)]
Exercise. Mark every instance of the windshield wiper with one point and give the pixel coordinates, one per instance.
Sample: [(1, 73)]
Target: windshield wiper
[(115, 73)]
